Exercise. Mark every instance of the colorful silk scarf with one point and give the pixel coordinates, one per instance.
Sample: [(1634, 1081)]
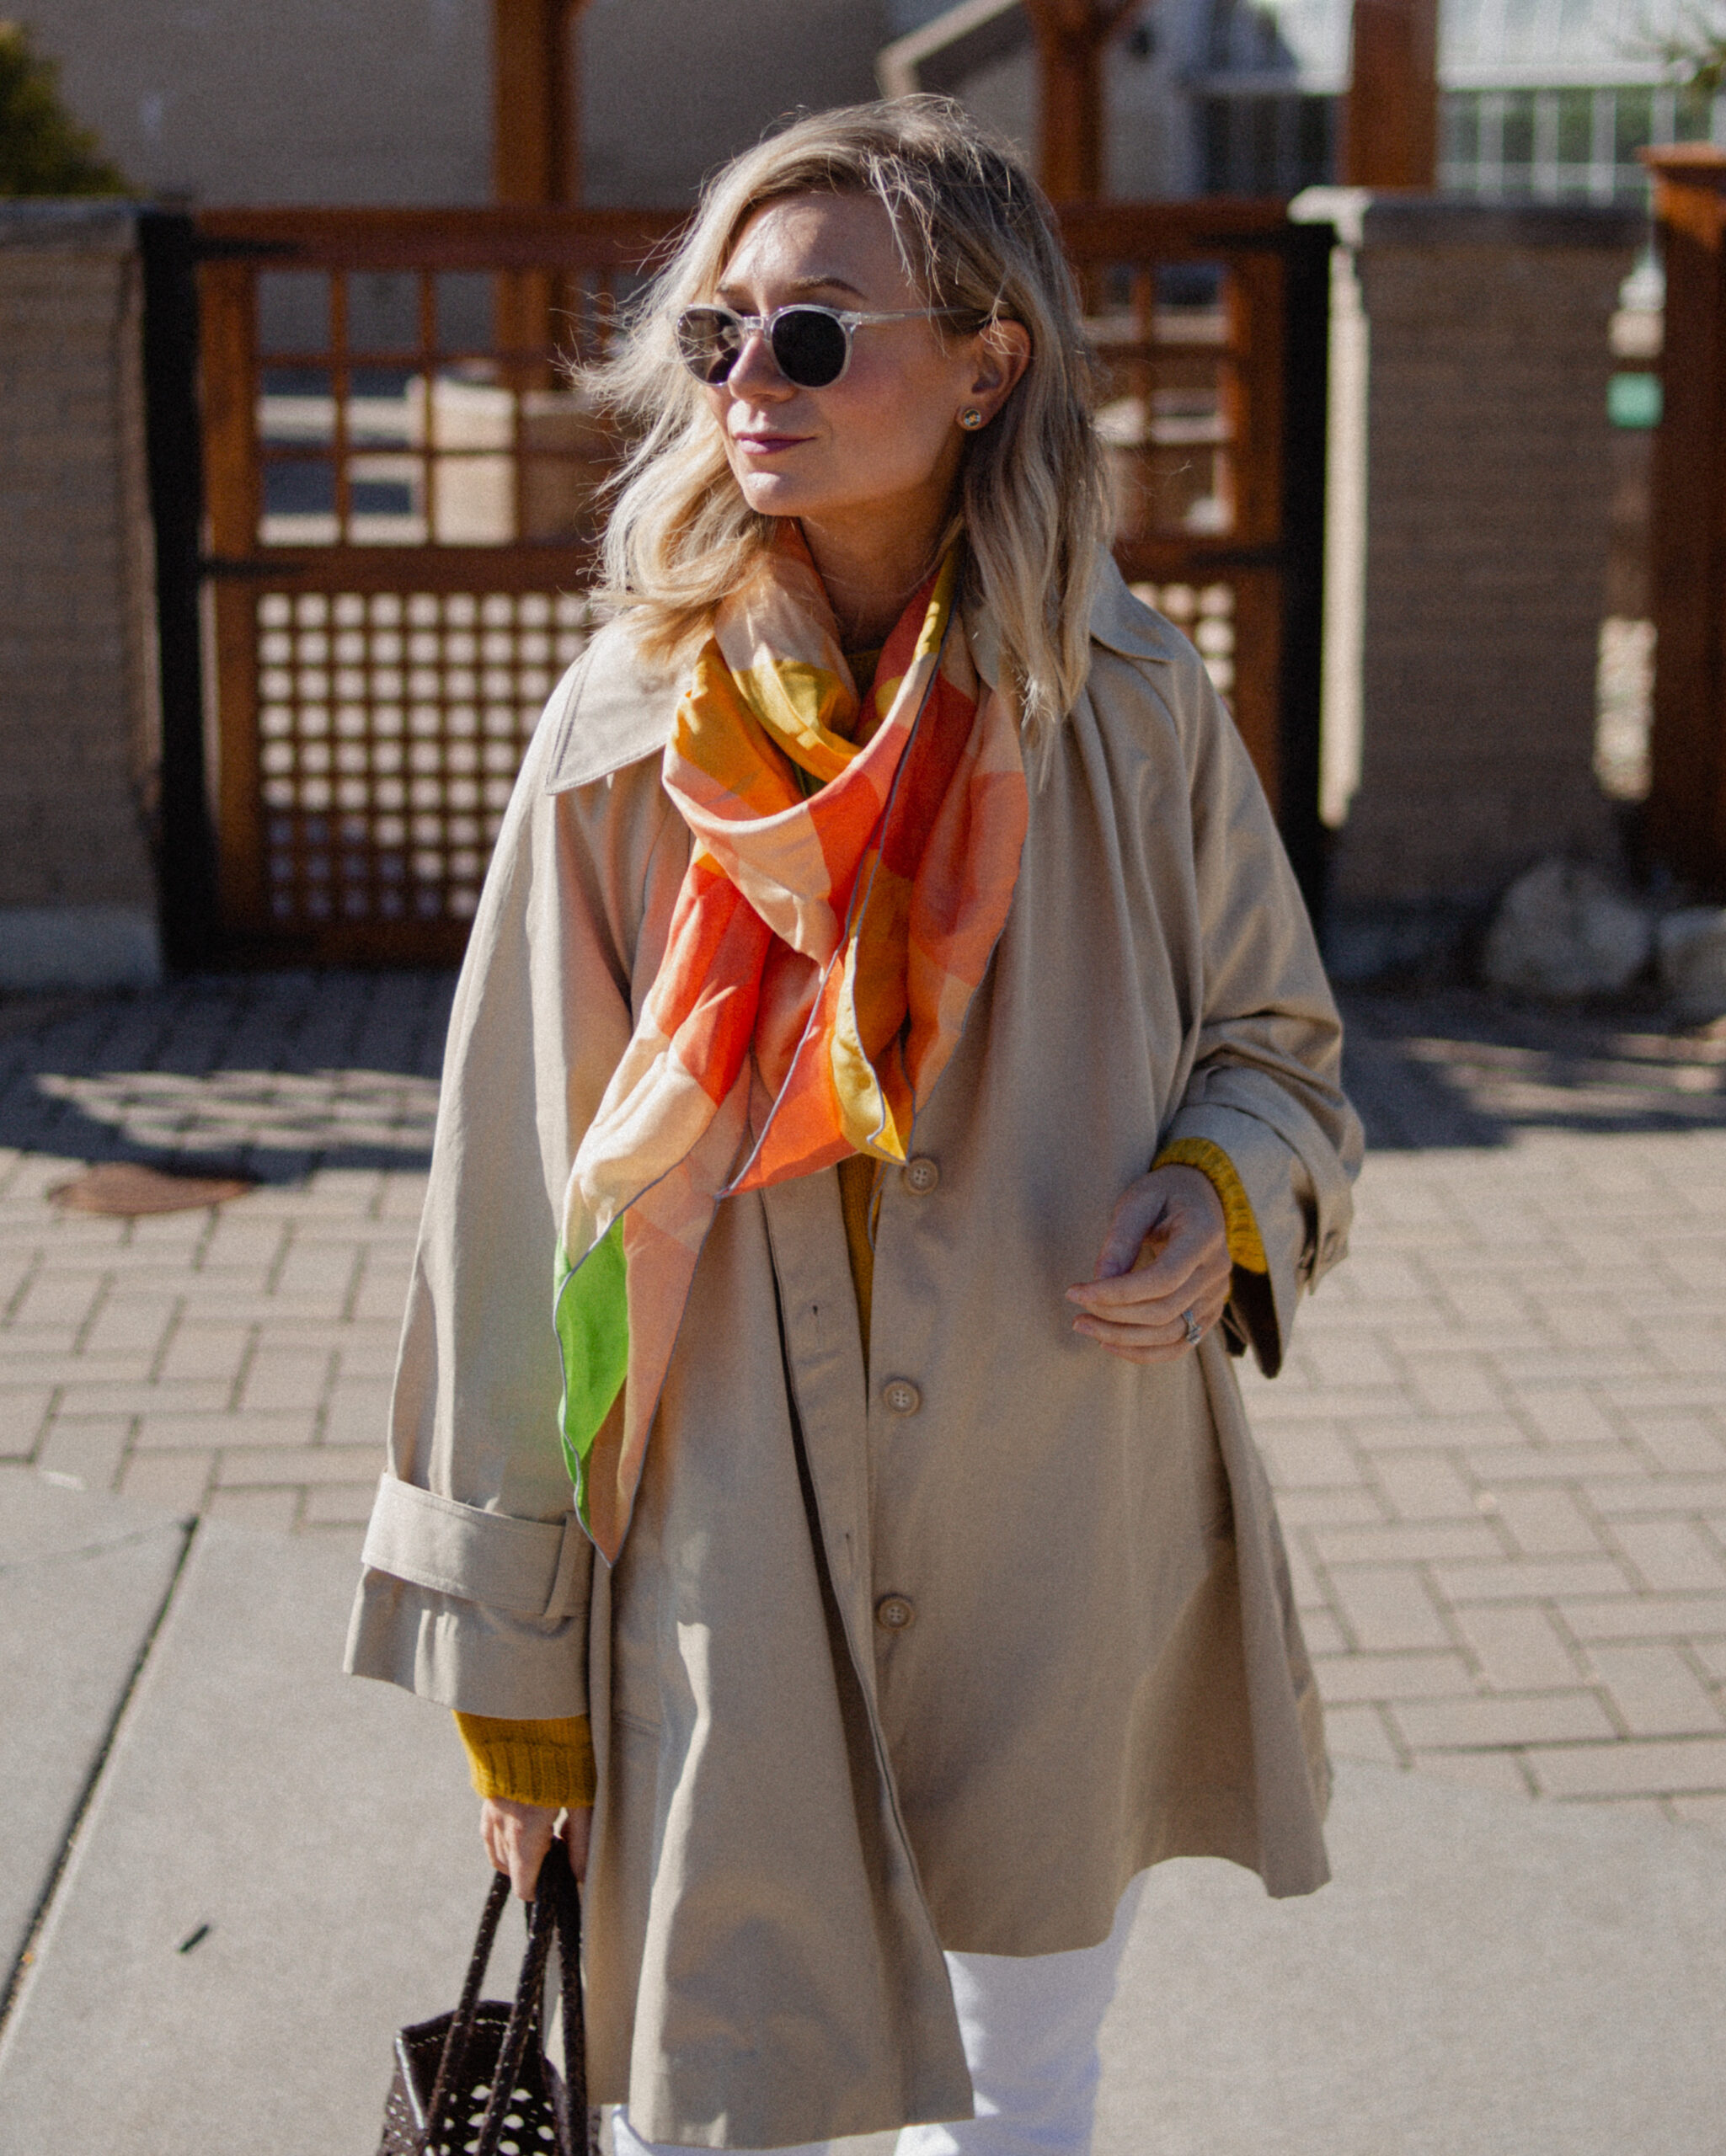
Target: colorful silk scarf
[(841, 904)]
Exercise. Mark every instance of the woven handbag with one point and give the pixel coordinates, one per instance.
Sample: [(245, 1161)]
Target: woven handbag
[(478, 2082)]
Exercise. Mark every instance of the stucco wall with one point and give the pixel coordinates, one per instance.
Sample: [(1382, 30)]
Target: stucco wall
[(321, 101), (672, 87), (299, 101)]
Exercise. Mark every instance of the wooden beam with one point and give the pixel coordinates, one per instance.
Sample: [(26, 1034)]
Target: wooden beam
[(1071, 36), (1685, 816), (535, 156), (535, 163), (1390, 115)]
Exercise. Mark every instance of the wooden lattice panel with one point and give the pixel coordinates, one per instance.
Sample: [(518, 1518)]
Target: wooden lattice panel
[(391, 727), (1207, 615), (1170, 347), (401, 479)]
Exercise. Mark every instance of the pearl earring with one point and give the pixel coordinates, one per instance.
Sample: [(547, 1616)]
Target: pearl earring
[(971, 419)]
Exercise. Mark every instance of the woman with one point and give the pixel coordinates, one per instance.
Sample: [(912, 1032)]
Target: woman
[(891, 1003)]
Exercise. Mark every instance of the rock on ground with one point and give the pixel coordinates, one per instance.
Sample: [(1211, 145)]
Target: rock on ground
[(1562, 932), (1692, 957)]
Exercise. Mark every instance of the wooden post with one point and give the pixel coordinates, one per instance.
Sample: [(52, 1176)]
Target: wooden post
[(535, 150), (1070, 37), (535, 162), (1687, 808), (1390, 115)]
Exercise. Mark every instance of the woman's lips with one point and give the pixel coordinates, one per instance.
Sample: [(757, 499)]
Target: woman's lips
[(767, 444)]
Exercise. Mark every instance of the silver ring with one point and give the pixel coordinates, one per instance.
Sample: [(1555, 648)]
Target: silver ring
[(1195, 1332)]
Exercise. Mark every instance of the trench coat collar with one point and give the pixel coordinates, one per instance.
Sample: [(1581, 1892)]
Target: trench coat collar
[(613, 706)]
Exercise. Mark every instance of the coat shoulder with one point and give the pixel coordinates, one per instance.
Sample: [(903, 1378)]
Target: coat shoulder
[(1122, 622), (610, 709), (1146, 676)]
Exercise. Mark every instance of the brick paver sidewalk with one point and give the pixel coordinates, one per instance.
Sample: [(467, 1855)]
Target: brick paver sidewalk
[(237, 1363), (1500, 1442)]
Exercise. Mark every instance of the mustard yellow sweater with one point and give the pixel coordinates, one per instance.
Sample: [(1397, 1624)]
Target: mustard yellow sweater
[(551, 1763)]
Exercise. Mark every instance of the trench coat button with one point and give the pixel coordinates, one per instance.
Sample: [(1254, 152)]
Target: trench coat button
[(922, 1174), (901, 1395), (894, 1614)]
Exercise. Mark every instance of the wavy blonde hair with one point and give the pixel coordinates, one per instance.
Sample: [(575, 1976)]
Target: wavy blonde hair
[(975, 235)]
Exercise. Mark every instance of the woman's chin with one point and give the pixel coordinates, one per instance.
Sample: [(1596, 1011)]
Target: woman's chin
[(772, 494)]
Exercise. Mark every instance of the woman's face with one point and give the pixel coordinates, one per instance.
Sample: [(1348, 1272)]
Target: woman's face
[(883, 442)]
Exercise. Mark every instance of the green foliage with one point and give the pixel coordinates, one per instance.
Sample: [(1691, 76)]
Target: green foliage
[(1708, 69), (1695, 51), (43, 150)]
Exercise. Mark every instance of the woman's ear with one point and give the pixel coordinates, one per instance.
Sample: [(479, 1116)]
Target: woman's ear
[(1004, 353)]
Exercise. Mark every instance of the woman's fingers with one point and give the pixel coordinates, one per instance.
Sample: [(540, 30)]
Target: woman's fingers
[(1165, 1342), (1152, 1326), (1193, 1263), (1139, 1212), (1180, 1263), (1160, 1223), (1166, 1335), (1184, 1269), (1164, 1318), (516, 1837), (578, 1834)]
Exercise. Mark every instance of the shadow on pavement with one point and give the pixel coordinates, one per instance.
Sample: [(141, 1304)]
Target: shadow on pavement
[(1460, 1068), (265, 1075), (273, 1075)]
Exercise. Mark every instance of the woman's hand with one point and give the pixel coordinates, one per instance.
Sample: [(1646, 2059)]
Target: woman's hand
[(1166, 1253), (516, 1837)]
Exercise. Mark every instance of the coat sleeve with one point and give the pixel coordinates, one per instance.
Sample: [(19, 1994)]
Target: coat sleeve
[(1265, 1081), (475, 1579)]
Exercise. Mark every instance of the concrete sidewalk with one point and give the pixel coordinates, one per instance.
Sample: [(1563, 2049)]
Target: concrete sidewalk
[(1500, 1449), (275, 1869), (84, 1580), (278, 1867), (1483, 1976)]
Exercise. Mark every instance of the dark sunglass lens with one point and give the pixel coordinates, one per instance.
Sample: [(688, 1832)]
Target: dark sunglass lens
[(809, 347), (708, 342)]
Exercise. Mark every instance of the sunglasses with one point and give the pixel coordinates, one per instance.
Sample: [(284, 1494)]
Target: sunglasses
[(811, 345)]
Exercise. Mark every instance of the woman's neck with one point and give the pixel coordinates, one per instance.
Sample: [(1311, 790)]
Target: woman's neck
[(870, 578)]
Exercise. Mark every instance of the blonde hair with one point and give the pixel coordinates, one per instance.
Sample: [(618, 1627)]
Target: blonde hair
[(975, 235)]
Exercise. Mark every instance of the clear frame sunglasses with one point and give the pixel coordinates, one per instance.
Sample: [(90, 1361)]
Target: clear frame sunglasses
[(810, 345)]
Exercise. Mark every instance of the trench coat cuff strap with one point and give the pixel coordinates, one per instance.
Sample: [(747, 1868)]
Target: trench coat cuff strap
[(525, 1567)]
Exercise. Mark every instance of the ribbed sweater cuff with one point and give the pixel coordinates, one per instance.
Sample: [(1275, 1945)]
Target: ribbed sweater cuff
[(549, 1763), (1246, 1247)]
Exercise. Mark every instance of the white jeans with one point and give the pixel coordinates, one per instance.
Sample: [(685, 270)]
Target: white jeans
[(1030, 2024)]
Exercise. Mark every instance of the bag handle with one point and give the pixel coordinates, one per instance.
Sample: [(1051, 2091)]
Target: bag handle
[(569, 1899), (461, 2029), (556, 1913)]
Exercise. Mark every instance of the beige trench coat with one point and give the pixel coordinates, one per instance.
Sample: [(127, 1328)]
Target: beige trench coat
[(798, 1808)]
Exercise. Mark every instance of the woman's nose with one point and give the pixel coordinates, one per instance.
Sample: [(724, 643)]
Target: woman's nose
[(756, 372)]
